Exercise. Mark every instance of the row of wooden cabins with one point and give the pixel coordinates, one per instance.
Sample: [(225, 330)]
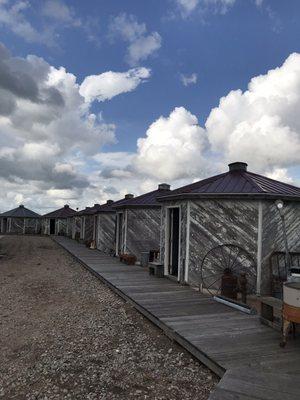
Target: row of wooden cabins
[(230, 219)]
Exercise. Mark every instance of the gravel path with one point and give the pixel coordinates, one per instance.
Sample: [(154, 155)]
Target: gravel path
[(65, 335)]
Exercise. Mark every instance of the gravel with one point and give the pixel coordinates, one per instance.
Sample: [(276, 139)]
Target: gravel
[(65, 335)]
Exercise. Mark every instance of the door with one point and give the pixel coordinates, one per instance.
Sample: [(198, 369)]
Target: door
[(52, 226), (173, 255)]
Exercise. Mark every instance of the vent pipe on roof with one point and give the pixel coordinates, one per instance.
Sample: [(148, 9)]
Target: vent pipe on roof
[(129, 196), (109, 202), (238, 166), (164, 186), (21, 205), (96, 205), (66, 206)]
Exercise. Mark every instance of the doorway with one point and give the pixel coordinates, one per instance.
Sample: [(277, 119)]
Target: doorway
[(173, 240), (4, 225), (52, 226)]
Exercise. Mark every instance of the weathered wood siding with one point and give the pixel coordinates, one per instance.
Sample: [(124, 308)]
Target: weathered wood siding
[(46, 226), (76, 227), (88, 227), (20, 225), (215, 222), (143, 230), (16, 225), (272, 235), (32, 226), (106, 237)]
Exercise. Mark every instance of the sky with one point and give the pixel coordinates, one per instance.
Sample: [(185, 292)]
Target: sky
[(103, 98)]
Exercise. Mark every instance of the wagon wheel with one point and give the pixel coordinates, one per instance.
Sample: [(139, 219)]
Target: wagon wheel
[(224, 256)]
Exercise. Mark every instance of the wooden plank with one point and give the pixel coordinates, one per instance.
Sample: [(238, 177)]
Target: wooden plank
[(220, 337)]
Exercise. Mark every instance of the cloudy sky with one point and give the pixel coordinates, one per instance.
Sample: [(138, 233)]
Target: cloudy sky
[(102, 98)]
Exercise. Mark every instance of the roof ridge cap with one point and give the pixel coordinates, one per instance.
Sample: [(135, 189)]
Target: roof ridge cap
[(256, 185)]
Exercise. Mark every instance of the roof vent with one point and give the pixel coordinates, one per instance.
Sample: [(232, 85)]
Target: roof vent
[(109, 202), (96, 205), (129, 196), (164, 186), (66, 206), (21, 205), (238, 166)]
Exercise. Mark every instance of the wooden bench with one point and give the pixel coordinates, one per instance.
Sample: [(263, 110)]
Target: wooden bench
[(271, 311), (156, 269)]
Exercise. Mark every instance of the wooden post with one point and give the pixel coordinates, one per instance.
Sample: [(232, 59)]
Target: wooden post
[(187, 244), (259, 248)]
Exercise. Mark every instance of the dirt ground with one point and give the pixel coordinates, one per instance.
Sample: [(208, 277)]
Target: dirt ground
[(65, 335)]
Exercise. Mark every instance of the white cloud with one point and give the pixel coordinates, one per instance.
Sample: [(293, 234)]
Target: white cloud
[(58, 10), (258, 3), (143, 47), (140, 43), (49, 135), (44, 22), (280, 174), (109, 84), (262, 124), (173, 147), (12, 17), (189, 79), (188, 7)]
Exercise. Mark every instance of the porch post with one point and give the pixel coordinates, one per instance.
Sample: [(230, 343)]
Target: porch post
[(259, 248), (187, 243), (125, 231)]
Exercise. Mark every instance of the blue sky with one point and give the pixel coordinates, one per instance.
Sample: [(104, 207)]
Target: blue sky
[(203, 49)]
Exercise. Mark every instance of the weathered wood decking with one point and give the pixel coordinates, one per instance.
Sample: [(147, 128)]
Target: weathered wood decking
[(220, 337)]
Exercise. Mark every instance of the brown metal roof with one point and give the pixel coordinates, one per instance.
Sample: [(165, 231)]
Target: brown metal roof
[(89, 210), (237, 181), (63, 212), (145, 200), (20, 212)]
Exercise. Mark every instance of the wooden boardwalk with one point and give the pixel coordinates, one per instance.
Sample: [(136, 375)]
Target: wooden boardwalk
[(223, 339)]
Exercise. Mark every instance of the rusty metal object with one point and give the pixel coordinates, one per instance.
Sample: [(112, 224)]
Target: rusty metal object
[(229, 284), (242, 285), (223, 257)]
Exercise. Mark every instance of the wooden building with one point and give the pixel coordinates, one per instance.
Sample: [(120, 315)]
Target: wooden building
[(20, 220), (229, 220), (138, 224), (87, 223), (57, 222), (105, 232)]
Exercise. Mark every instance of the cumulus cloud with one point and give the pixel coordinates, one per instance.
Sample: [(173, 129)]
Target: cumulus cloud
[(173, 147), (141, 44), (48, 133), (189, 79), (262, 124), (109, 84)]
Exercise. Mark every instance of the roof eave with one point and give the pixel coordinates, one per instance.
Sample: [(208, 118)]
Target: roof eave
[(137, 206), (250, 196)]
